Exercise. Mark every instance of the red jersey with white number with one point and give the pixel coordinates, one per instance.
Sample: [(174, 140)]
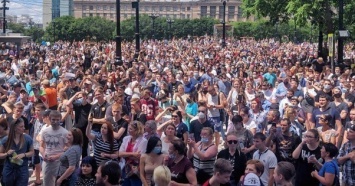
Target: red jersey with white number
[(149, 107)]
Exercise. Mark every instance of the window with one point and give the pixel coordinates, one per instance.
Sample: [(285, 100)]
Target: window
[(213, 11), (161, 8), (146, 8), (84, 7), (240, 13), (112, 8), (111, 15), (98, 14), (220, 11), (90, 15), (168, 8), (203, 11), (188, 8), (174, 16), (98, 7), (153, 8), (231, 12), (105, 15), (84, 15), (105, 7), (125, 15), (188, 16), (182, 16), (183, 9), (91, 7), (125, 7), (175, 8)]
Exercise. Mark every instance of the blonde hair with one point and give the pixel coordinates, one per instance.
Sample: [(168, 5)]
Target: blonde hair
[(288, 111), (162, 175), (138, 127)]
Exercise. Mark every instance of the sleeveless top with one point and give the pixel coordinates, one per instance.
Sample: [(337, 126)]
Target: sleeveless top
[(205, 165)]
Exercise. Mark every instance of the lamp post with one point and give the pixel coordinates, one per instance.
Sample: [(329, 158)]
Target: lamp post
[(153, 16), (224, 25), (169, 21), (118, 59), (341, 27), (136, 6)]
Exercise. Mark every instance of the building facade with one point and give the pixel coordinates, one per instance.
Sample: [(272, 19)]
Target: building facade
[(56, 8), (176, 9)]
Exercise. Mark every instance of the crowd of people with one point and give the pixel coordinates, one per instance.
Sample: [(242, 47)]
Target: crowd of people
[(184, 112)]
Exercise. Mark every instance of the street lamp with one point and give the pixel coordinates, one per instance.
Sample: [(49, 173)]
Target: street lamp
[(136, 6), (224, 25), (118, 59), (153, 16), (169, 21), (341, 27)]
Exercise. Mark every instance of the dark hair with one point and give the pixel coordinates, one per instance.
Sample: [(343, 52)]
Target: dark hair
[(237, 119), (179, 146), (260, 136), (77, 136), (152, 142), (287, 121), (323, 95), (178, 112), (286, 169), (88, 160), (259, 166), (3, 123), (11, 136), (331, 149), (222, 166), (112, 170), (315, 133)]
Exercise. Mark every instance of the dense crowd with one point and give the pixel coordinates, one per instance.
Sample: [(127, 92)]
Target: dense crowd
[(180, 113)]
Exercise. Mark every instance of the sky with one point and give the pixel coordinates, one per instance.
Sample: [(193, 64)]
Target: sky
[(34, 8)]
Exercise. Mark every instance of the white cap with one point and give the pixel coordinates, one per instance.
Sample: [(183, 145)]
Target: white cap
[(251, 179)]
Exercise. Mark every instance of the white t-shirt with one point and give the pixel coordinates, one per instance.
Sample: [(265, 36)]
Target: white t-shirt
[(55, 140), (269, 160)]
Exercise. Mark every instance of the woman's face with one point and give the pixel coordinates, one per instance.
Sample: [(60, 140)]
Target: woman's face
[(104, 129), (175, 118), (206, 134), (86, 169), (250, 169), (20, 128), (170, 131), (171, 149), (232, 142), (323, 153), (131, 130), (277, 177), (254, 105), (70, 137)]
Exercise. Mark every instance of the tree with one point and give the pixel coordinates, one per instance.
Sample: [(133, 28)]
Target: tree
[(16, 27), (35, 33)]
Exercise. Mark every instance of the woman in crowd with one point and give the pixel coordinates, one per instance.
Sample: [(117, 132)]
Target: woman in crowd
[(249, 93), (329, 173), (284, 173), (87, 171), (162, 176), (182, 171), (69, 160), (66, 110), (253, 166), (235, 156), (257, 114), (204, 154), (191, 108), (166, 140), (306, 155), (296, 126), (106, 147), (152, 158), (133, 145), (248, 123), (17, 148), (181, 128), (326, 133)]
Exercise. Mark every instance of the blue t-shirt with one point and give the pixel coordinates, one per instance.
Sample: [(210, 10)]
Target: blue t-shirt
[(25, 148), (329, 167)]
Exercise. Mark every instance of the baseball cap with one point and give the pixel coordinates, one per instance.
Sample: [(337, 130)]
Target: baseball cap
[(251, 179)]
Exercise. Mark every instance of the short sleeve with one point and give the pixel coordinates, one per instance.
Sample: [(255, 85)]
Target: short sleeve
[(330, 168), (3, 141), (342, 150), (272, 162), (73, 155)]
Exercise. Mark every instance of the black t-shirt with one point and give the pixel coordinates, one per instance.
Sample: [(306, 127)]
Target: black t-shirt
[(71, 91), (140, 117), (196, 127), (285, 145), (25, 120), (117, 125), (238, 160), (318, 67), (81, 114), (304, 169), (99, 112)]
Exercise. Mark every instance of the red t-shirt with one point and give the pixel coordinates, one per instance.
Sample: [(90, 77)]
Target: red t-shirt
[(207, 183), (149, 107)]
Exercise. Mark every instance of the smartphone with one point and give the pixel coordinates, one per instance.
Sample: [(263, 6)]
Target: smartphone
[(273, 124)]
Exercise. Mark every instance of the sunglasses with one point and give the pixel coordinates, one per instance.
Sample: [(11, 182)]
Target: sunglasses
[(232, 141), (174, 116), (323, 119), (201, 111)]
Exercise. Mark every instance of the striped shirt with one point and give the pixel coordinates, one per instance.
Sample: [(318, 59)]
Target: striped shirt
[(102, 146), (349, 165), (205, 165)]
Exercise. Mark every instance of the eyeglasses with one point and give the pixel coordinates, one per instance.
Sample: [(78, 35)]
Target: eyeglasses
[(174, 116), (232, 141), (306, 136)]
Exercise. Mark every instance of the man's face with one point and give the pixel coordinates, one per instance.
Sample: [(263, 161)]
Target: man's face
[(258, 143), (284, 126), (55, 120), (98, 175), (323, 102), (270, 116), (223, 178)]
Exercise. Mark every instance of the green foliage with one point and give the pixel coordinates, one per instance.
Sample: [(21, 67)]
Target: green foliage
[(33, 31), (264, 29), (16, 27)]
